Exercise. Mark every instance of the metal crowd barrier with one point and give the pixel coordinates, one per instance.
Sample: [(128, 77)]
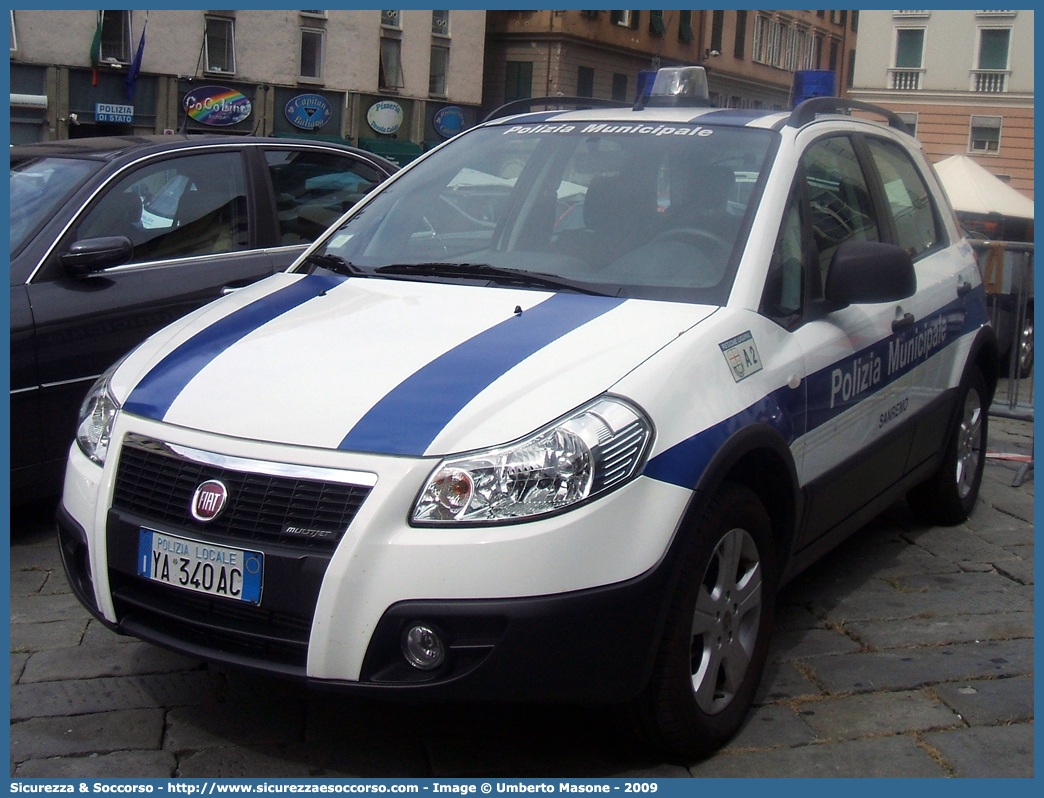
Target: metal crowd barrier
[(1007, 273)]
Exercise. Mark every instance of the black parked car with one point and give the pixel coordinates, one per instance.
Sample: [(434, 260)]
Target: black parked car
[(114, 238)]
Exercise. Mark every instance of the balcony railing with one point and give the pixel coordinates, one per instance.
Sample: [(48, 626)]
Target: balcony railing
[(989, 80), (905, 79)]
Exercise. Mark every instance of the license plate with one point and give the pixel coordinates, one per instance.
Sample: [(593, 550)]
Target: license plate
[(202, 567)]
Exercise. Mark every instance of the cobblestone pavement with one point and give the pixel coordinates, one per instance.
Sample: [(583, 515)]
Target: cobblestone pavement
[(906, 652)]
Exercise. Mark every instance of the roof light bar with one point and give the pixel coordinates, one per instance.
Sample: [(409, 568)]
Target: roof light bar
[(679, 86)]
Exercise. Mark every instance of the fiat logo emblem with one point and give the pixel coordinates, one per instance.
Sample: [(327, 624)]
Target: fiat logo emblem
[(209, 500)]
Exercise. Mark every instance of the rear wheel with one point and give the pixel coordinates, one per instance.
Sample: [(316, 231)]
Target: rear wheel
[(716, 639), (949, 496), (1023, 353)]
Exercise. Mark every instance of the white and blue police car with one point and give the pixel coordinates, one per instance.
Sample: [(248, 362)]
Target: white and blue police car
[(551, 415)]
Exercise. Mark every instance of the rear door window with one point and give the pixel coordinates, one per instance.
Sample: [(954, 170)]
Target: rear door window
[(916, 222), (313, 190)]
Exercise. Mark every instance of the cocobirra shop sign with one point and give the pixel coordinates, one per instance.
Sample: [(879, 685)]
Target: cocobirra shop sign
[(217, 105)]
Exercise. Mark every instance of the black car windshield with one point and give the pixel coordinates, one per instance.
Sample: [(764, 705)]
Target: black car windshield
[(38, 186), (649, 210)]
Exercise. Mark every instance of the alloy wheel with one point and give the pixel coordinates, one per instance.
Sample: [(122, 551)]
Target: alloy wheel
[(969, 443), (725, 623)]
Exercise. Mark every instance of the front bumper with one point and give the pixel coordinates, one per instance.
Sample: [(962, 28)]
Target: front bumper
[(591, 645), (567, 607)]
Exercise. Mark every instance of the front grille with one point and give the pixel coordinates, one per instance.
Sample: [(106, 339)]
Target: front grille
[(217, 625), (157, 484)]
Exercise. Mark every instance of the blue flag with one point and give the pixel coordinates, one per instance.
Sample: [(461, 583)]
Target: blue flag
[(132, 76)]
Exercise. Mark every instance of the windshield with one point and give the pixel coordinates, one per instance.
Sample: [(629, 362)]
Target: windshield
[(38, 187), (618, 209)]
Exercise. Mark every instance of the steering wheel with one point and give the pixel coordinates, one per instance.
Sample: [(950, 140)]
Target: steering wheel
[(695, 236)]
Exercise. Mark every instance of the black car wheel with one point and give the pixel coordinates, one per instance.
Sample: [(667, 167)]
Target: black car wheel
[(716, 639), (1024, 357), (949, 496)]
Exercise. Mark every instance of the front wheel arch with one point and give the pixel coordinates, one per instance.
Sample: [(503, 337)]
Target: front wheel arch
[(759, 458), (715, 641)]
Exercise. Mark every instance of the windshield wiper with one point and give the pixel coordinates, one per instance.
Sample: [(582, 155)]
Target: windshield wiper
[(485, 271), (335, 263)]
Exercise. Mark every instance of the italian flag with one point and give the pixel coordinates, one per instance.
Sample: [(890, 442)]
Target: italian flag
[(96, 49)]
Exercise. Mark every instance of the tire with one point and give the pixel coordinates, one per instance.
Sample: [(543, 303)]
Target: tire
[(715, 642), (1017, 359), (1023, 352), (948, 496)]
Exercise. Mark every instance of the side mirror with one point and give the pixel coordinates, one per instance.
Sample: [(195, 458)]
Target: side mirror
[(91, 255), (868, 272)]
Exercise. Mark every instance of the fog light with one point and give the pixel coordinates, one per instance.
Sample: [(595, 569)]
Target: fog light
[(423, 648)]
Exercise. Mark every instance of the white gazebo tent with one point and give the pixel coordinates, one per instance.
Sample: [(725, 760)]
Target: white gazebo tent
[(972, 189)]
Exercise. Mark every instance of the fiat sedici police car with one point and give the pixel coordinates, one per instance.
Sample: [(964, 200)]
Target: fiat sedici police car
[(551, 415)]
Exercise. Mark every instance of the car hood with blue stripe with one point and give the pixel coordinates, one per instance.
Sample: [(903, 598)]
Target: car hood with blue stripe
[(391, 367)]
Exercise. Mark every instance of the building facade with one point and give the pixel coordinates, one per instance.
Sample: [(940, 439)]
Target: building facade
[(750, 56), (391, 81), (962, 79)]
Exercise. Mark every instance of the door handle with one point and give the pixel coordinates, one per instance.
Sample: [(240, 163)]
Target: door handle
[(901, 324), (964, 289)]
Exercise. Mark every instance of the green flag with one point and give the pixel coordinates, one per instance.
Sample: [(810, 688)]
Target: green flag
[(96, 44)]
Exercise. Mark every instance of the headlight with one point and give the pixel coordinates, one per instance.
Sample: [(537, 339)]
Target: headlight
[(97, 414), (588, 453)]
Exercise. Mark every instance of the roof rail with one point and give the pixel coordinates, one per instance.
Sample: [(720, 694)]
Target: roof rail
[(808, 110), (519, 106)]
